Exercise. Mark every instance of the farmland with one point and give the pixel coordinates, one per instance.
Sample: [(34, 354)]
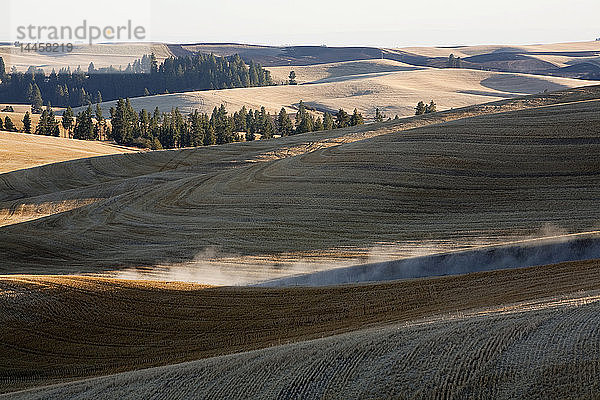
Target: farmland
[(20, 151), (506, 354), (484, 179), (391, 86), (66, 327), (447, 255)]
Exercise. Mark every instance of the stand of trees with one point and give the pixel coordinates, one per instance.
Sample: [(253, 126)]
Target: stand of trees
[(144, 77), (453, 62), (172, 130), (423, 108)]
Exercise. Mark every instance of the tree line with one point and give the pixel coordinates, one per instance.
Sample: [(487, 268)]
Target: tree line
[(158, 130), (173, 130), (145, 77)]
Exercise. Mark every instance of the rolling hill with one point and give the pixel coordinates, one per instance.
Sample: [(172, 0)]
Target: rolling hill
[(393, 87), (322, 198), (21, 151), (95, 326), (242, 213)]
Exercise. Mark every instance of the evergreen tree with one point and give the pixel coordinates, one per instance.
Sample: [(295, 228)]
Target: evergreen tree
[(420, 108), (1, 125), (307, 124), (328, 122), (84, 127), (430, 108), (27, 122), (356, 118), (36, 100), (53, 128), (98, 97), (222, 125), (123, 121), (284, 123), (451, 63), (292, 80), (209, 137), (47, 124), (268, 129), (300, 113), (342, 119), (100, 127), (8, 125), (67, 120), (2, 70), (318, 125), (378, 115)]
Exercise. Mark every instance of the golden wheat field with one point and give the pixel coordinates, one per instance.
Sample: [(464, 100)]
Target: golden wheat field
[(391, 86), (21, 151), (328, 196), (66, 327)]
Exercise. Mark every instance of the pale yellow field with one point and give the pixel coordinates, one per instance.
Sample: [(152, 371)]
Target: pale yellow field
[(102, 55), (357, 85), (467, 51), (20, 150)]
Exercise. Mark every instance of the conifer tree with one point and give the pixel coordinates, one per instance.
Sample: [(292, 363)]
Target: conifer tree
[(84, 127), (430, 108), (8, 125), (420, 108), (318, 125), (2, 70), (292, 78), (36, 100), (67, 120), (300, 113), (284, 123), (100, 127), (328, 123), (378, 115), (27, 122), (342, 119), (356, 118)]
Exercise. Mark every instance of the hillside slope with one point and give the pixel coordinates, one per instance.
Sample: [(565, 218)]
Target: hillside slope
[(60, 328), (329, 196), (20, 151), (393, 87)]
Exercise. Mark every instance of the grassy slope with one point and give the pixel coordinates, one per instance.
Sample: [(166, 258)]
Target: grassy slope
[(20, 151), (102, 55), (57, 328), (488, 178), (393, 87)]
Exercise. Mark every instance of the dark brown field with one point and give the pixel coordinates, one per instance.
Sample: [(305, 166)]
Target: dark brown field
[(59, 328)]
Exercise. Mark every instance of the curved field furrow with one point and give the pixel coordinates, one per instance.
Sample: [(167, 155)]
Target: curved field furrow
[(485, 179), (57, 328), (308, 369)]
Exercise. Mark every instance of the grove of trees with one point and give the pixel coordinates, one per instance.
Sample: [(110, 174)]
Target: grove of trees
[(423, 108), (172, 130), (145, 77)]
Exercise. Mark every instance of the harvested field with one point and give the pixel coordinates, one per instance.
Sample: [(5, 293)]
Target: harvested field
[(20, 151), (57, 328), (393, 87), (501, 353), (101, 54), (331, 195)]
